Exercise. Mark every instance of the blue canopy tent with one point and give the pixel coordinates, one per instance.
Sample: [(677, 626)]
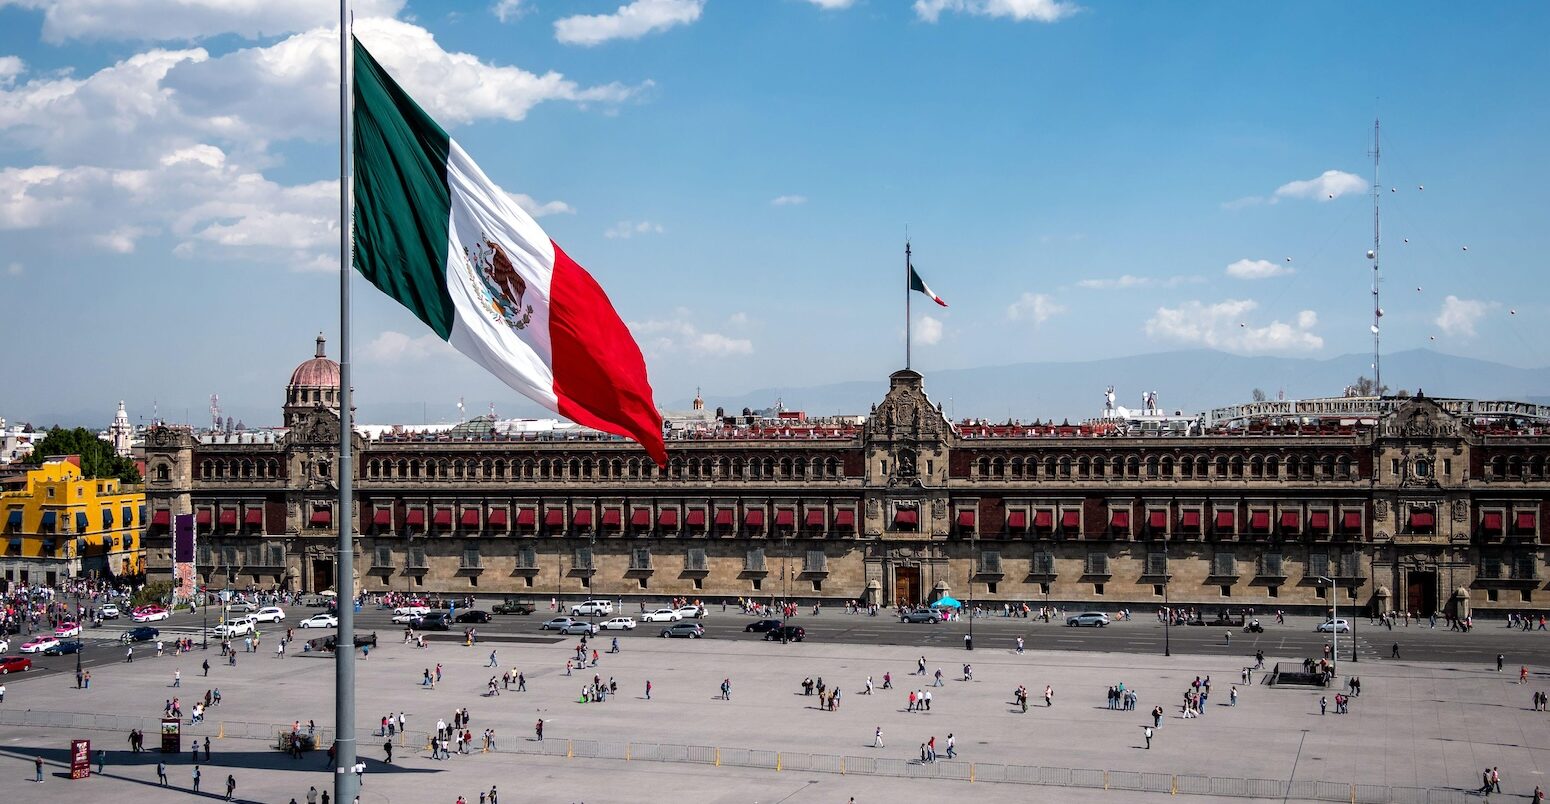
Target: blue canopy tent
[(947, 603)]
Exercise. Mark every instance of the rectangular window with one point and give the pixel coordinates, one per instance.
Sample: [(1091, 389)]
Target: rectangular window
[(1447, 468), (1157, 589), (583, 559), (1526, 595), (1273, 591), (699, 583), (1226, 590), (255, 555), (1097, 564), (1098, 589), (473, 579), (1270, 565), (1044, 564), (276, 555), (527, 558), (229, 557), (586, 581), (1523, 567), (1491, 595), (1320, 591), (758, 584), (754, 562), (417, 558), (816, 561), (1044, 588), (384, 557), (990, 587), (1157, 564), (640, 558), (1394, 467), (817, 584), (206, 555), (471, 559), (1318, 565), (642, 581), (1351, 565), (695, 560), (1224, 565), (990, 562)]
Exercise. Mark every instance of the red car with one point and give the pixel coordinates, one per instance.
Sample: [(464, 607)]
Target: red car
[(14, 664)]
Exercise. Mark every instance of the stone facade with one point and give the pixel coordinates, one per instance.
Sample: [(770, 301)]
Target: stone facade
[(1415, 508)]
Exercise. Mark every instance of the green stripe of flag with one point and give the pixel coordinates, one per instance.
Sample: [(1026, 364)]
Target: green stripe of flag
[(402, 204)]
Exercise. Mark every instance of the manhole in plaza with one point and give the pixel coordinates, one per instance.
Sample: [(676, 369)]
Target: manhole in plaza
[(983, 742)]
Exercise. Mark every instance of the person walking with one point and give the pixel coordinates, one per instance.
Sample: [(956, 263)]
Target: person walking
[(877, 738), (197, 775), (206, 667), (1496, 780), (161, 773), (37, 767), (1323, 704), (1232, 697), (231, 786), (648, 689), (1146, 731), (726, 689), (1049, 696), (1500, 660), (493, 662), (538, 729), (951, 746), (1019, 645), (387, 748)]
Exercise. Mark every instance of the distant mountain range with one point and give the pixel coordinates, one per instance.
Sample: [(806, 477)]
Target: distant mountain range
[(1189, 381)]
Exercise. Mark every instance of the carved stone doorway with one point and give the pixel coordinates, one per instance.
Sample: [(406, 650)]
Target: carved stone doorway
[(906, 586), (322, 574), (1421, 592)]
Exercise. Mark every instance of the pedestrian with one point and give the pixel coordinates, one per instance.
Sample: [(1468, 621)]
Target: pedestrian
[(951, 746), (177, 678), (197, 776), (877, 738), (1232, 697), (1323, 704), (911, 706), (928, 700), (1485, 782), (1157, 713), (1049, 696), (493, 662), (1496, 780), (231, 786), (1500, 659), (726, 689), (102, 759), (492, 794), (312, 795), (539, 729), (648, 689), (1147, 732), (161, 773), (37, 766), (387, 748), (1019, 644), (1394, 651), (206, 666)]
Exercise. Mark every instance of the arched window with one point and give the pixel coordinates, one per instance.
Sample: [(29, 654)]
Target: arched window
[(984, 467), (1100, 466), (1017, 467), (769, 467), (1343, 467), (1167, 466), (831, 468), (573, 469), (162, 473), (1221, 466), (1328, 465), (1515, 467), (1083, 465), (997, 468), (1065, 466), (1498, 466), (1151, 466), (1049, 466), (1256, 467), (1132, 467), (1272, 467)]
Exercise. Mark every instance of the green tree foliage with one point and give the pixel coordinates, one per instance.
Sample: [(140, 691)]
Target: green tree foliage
[(97, 458)]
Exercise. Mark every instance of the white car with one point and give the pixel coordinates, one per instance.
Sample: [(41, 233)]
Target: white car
[(241, 626), (39, 644), (661, 616), (5, 644), (412, 611), (150, 614), (270, 614), (592, 608), (110, 612), (1337, 626), (405, 618), (618, 624), (691, 612), (320, 621)]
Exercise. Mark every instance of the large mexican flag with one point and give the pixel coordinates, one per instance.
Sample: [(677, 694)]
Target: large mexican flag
[(435, 233)]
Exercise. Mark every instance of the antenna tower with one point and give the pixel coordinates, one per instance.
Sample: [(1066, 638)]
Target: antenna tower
[(1377, 241), (215, 412)]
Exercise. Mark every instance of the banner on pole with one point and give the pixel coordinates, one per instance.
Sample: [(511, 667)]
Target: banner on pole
[(183, 543)]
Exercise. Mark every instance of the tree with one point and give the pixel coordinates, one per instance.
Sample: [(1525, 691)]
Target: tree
[(97, 458), (1258, 395), (1364, 386)]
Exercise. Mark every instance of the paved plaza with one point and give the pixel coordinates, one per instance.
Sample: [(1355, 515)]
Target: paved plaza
[(1415, 725)]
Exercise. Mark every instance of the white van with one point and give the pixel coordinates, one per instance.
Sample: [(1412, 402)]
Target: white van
[(241, 626), (593, 607)]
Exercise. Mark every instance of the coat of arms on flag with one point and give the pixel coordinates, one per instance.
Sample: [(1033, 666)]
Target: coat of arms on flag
[(499, 284)]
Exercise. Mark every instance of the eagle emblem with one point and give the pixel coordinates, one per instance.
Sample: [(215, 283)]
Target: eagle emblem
[(502, 289)]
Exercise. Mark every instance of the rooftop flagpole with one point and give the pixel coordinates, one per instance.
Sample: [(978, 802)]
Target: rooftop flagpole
[(907, 269), (345, 786)]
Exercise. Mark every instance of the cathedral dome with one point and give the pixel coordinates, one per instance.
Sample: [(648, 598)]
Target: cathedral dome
[(319, 372)]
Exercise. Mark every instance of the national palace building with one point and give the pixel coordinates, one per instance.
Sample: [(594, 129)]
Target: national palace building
[(1401, 503)]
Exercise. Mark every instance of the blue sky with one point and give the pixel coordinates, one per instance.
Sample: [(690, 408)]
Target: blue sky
[(1080, 180)]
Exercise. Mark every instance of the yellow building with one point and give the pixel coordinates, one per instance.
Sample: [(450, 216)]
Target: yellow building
[(60, 524)]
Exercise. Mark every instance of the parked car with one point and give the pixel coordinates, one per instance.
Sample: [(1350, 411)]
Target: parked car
[(513, 605), (5, 644), (62, 648), (790, 633), (761, 625), (403, 617), (39, 644), (149, 614), (144, 633), (618, 624), (67, 630), (434, 621), (324, 620), (14, 664), (921, 616), (686, 630), (661, 616), (413, 611), (555, 624), (579, 627), (270, 614), (1335, 626), (108, 612), (242, 626), (1094, 618), (242, 607), (474, 616), (691, 612), (596, 608)]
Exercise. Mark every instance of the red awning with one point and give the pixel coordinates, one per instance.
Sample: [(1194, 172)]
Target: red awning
[(815, 517), (582, 518), (965, 519), (1044, 519), (554, 517), (1526, 521), (1157, 520), (754, 518), (1017, 520), (497, 517), (785, 518), (383, 517), (906, 516), (1419, 520), (416, 518), (612, 517), (527, 517), (1290, 520), (723, 517), (1259, 521), (1492, 522), (1352, 521), (253, 516), (844, 518), (1318, 521), (1119, 520), (696, 518), (1070, 520), (322, 516), (640, 517), (161, 518), (202, 516), (470, 517), (228, 517), (442, 518), (1189, 520), (1224, 519), (668, 518)]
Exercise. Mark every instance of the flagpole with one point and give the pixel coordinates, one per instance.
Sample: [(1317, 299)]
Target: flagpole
[(906, 304), (345, 787)]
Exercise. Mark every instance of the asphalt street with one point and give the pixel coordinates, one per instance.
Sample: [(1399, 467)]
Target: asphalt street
[(1142, 635)]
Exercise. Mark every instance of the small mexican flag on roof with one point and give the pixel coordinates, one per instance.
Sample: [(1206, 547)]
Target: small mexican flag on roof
[(435, 233), (918, 284)]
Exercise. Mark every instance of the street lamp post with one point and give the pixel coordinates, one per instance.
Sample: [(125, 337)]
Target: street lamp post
[(1334, 624), (974, 546), (1167, 616), (78, 626)]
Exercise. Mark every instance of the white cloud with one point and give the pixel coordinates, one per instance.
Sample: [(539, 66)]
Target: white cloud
[(833, 4), (539, 209), (928, 331), (1131, 281), (1327, 186), (1224, 325), (509, 10), (120, 240), (788, 200), (679, 334), (15, 269), (1257, 269), (624, 230), (1459, 316), (396, 347), (1035, 307), (186, 20), (10, 68), (630, 21), (1020, 10)]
